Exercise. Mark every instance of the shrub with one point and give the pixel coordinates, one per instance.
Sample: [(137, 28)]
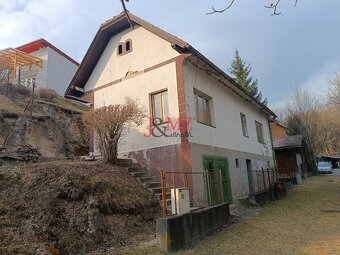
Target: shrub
[(21, 90), (47, 94), (108, 123)]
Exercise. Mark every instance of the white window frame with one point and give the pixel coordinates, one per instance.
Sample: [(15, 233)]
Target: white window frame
[(164, 105), (244, 125), (259, 131)]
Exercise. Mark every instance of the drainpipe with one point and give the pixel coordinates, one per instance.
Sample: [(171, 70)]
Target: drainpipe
[(273, 151)]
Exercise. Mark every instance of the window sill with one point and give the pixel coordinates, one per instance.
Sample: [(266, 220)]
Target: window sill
[(206, 124), (124, 53)]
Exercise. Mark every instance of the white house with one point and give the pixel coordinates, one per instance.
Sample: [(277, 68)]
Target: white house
[(57, 69), (227, 128)]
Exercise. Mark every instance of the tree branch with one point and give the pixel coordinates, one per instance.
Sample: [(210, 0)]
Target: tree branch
[(126, 11), (274, 7), (220, 11), (271, 6)]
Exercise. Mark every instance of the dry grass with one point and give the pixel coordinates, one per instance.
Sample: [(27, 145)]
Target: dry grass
[(67, 104), (47, 94), (18, 97), (294, 225), (72, 208), (7, 105)]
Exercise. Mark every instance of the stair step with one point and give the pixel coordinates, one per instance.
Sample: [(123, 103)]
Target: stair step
[(139, 174), (148, 179), (167, 195), (137, 169), (158, 190), (124, 160), (153, 184), (129, 164), (168, 203)]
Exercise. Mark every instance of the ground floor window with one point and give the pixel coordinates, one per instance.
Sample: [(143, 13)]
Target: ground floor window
[(159, 105)]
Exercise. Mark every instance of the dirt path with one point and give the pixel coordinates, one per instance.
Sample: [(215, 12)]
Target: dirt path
[(307, 221)]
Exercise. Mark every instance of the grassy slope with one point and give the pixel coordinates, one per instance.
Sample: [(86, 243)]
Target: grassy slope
[(294, 225), (7, 105), (20, 96)]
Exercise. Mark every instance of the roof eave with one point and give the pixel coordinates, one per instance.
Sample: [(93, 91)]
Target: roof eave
[(195, 52)]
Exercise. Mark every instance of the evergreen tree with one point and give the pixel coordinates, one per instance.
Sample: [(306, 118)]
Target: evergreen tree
[(240, 71)]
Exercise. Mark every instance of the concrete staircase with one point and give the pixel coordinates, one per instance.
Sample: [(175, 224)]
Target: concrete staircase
[(149, 181)]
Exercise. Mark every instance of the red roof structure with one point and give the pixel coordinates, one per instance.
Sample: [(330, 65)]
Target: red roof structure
[(42, 43)]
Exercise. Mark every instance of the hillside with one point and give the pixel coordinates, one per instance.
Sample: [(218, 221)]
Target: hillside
[(55, 128), (50, 202), (72, 208)]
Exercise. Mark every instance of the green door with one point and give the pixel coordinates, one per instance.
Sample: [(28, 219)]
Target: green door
[(218, 179)]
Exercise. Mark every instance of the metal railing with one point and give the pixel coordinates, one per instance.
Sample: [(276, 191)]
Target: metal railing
[(4, 76), (205, 188), (261, 180)]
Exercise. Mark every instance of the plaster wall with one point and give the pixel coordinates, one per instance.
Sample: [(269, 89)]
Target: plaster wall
[(226, 106)]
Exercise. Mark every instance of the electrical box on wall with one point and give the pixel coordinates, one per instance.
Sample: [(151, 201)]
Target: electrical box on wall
[(180, 201)]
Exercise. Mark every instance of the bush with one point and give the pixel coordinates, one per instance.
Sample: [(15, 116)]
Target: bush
[(21, 90), (47, 94)]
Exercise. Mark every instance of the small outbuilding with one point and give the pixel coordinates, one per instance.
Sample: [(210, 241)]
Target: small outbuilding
[(290, 153)]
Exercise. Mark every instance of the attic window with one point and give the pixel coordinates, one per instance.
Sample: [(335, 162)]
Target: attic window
[(120, 49), (125, 47), (128, 46)]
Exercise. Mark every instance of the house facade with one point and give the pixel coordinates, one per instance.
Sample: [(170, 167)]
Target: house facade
[(204, 120), (290, 153), (57, 69)]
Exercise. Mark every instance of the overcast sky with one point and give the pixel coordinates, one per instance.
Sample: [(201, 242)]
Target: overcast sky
[(301, 47)]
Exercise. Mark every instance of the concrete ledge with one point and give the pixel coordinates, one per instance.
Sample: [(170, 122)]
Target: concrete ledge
[(180, 231), (260, 198)]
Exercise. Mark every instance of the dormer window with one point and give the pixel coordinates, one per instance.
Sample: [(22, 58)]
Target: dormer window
[(125, 47)]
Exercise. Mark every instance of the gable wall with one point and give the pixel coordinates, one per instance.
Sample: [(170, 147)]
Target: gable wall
[(278, 131), (59, 71), (147, 50), (154, 61)]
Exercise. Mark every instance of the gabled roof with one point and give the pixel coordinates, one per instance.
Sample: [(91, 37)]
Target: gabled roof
[(119, 23), (289, 142), (42, 43)]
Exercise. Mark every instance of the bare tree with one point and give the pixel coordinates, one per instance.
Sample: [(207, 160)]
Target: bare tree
[(305, 117), (273, 6), (331, 113), (334, 90), (108, 123)]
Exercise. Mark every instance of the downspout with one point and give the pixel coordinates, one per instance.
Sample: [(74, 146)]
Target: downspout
[(273, 151)]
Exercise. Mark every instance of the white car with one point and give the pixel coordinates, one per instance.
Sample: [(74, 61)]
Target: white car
[(325, 167)]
